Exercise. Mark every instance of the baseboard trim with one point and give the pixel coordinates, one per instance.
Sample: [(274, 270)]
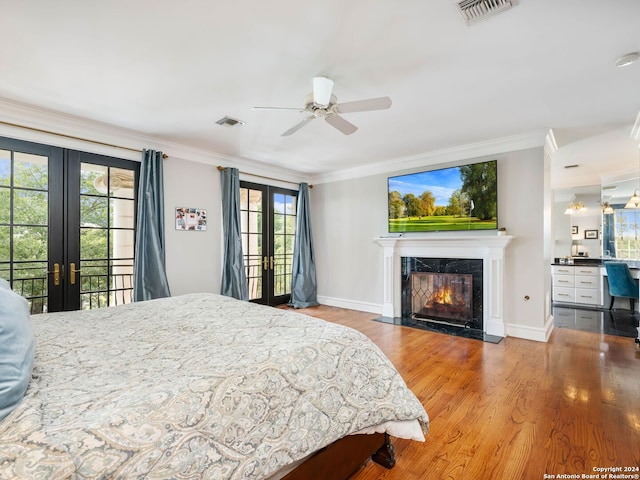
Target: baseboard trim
[(531, 333), (350, 304)]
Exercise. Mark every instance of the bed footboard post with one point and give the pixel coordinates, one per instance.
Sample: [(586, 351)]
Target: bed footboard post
[(386, 455)]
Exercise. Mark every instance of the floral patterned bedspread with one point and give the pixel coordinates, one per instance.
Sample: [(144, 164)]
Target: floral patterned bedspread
[(197, 386)]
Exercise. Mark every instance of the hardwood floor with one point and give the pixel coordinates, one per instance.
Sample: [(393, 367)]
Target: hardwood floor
[(514, 410)]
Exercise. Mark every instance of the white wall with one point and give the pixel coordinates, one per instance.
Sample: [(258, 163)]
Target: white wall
[(193, 258), (347, 215), (525, 206)]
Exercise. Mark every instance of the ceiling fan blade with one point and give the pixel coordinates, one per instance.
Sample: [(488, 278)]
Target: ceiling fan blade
[(341, 124), (298, 126), (322, 88), (278, 108), (381, 103)]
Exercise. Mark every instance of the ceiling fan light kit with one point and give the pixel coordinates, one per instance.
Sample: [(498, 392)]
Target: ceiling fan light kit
[(322, 88), (323, 103)]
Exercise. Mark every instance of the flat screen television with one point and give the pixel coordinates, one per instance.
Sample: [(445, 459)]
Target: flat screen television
[(446, 199)]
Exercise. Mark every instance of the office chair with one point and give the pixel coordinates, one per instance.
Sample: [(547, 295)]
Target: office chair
[(621, 283)]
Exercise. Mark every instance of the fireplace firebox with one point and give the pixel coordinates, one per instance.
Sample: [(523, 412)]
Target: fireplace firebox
[(443, 290), (442, 296)]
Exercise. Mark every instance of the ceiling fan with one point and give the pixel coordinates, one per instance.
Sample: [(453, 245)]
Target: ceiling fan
[(322, 103)]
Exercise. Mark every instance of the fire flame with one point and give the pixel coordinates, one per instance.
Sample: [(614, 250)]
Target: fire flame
[(442, 297)]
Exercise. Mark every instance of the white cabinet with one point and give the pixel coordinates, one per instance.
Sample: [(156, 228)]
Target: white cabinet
[(577, 284)]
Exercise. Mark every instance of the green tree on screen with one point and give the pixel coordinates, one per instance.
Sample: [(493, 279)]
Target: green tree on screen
[(479, 183)]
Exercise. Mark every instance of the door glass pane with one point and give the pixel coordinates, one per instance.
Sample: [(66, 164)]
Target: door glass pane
[(5, 205), (121, 213), (292, 205), (30, 171), (255, 222), (5, 167), (5, 251), (278, 203), (30, 243), (121, 244), (93, 243), (121, 183), (30, 207), (93, 179), (244, 221), (94, 211), (278, 224)]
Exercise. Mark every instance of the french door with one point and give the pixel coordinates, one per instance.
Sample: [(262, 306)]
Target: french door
[(67, 226), (268, 235)]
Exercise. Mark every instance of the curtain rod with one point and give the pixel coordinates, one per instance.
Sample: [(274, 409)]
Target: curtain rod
[(73, 137), (262, 176)]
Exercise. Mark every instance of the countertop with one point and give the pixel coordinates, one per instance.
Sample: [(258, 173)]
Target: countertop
[(596, 262)]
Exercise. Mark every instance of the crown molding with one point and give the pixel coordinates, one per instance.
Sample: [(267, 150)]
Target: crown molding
[(29, 123), (462, 152)]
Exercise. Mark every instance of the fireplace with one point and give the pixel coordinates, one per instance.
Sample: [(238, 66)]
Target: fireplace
[(443, 289), (488, 298), (442, 296)]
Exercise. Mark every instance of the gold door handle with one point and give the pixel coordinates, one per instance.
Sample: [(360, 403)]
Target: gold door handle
[(56, 274), (265, 263), (272, 262), (72, 273)]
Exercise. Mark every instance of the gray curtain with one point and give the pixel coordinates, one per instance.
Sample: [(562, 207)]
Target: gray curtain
[(304, 289), (234, 278), (150, 276)]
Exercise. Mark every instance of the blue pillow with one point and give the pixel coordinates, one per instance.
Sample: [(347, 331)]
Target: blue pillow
[(16, 350), (4, 284)]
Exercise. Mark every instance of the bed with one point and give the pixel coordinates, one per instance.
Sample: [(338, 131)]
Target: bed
[(199, 386)]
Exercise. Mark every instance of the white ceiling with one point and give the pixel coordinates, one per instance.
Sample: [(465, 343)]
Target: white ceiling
[(169, 70)]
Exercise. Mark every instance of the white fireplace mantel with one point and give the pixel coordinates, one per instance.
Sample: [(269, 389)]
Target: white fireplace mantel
[(489, 248)]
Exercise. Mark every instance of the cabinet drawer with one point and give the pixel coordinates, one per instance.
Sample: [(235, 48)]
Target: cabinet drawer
[(582, 281), (562, 270), (587, 271), (564, 294), (588, 296), (563, 280)]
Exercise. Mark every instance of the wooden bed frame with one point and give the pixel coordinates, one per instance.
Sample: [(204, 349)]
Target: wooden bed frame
[(343, 457)]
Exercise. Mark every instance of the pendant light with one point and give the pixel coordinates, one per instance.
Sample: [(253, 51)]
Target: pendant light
[(634, 201), (575, 208)]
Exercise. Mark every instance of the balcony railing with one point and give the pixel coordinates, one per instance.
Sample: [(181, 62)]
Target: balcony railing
[(99, 290)]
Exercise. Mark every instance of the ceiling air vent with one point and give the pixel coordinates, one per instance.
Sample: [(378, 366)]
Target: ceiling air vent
[(475, 10), (230, 122)]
